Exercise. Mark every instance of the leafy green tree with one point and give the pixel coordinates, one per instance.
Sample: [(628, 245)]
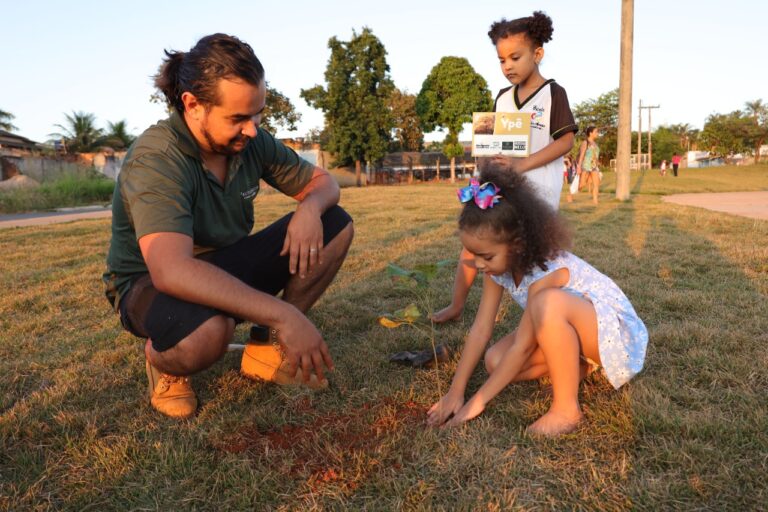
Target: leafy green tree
[(666, 142), (603, 113), (408, 133), (758, 131), (448, 96), (725, 134), (279, 112), (355, 101), (5, 121), (117, 136), (80, 133)]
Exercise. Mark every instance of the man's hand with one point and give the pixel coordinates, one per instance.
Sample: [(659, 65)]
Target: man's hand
[(303, 240), (303, 346)]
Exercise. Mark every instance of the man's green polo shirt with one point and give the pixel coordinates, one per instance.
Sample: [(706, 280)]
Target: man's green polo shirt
[(164, 187)]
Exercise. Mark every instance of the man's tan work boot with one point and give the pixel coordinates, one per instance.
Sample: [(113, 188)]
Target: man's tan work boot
[(171, 395), (265, 362)]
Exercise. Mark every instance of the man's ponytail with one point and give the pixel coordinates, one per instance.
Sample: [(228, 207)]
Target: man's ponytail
[(167, 79)]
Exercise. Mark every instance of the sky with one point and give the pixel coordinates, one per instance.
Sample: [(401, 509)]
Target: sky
[(691, 57)]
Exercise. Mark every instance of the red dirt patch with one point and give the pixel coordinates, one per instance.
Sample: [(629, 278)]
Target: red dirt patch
[(338, 449)]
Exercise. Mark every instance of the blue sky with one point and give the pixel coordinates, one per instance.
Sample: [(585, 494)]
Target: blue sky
[(693, 58)]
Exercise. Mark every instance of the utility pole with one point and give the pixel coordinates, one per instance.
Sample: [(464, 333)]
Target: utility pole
[(650, 143), (624, 145)]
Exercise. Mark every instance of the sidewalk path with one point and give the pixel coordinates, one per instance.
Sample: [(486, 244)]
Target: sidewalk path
[(60, 215), (746, 204)]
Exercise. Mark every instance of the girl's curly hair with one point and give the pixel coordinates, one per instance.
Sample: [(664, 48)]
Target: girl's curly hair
[(534, 231), (538, 28)]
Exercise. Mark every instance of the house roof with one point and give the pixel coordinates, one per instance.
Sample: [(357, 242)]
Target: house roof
[(11, 140)]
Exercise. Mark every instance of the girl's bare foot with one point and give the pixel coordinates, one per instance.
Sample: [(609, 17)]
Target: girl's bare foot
[(555, 423), (447, 314)]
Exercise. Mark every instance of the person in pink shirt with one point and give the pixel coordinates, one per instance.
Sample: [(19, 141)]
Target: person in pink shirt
[(675, 163)]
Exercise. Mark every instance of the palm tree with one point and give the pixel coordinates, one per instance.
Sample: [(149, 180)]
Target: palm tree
[(80, 132), (117, 135), (686, 133), (758, 111), (5, 121)]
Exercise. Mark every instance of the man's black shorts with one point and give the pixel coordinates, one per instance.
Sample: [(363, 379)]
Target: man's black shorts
[(255, 260)]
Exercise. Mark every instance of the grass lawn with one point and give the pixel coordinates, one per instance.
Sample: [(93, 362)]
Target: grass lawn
[(690, 432)]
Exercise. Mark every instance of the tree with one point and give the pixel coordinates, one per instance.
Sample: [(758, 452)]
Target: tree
[(602, 113), (355, 101), (666, 142), (726, 134), (80, 133), (5, 121), (117, 135), (408, 133), (686, 133), (758, 131), (279, 112), (448, 96)]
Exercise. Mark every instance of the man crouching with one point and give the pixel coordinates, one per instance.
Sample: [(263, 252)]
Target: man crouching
[(182, 267)]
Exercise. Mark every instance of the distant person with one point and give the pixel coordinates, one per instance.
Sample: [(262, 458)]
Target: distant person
[(568, 170), (574, 317), (663, 168), (675, 163), (520, 47), (587, 165), (573, 180), (183, 269)]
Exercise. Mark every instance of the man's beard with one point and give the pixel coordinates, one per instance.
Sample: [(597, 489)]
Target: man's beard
[(227, 149)]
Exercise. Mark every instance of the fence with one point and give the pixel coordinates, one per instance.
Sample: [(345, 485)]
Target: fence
[(42, 169)]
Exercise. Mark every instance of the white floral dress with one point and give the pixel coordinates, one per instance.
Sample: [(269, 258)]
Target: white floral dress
[(621, 336)]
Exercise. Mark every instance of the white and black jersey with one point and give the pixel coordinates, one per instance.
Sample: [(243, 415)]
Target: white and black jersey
[(551, 118)]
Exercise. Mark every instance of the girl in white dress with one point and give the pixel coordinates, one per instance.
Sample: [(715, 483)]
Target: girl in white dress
[(573, 314)]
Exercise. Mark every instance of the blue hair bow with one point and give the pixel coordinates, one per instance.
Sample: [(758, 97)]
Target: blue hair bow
[(485, 195)]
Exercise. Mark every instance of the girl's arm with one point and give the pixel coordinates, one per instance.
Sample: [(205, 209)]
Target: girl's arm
[(540, 158), (548, 153), (582, 152), (477, 339), (479, 334), (514, 358)]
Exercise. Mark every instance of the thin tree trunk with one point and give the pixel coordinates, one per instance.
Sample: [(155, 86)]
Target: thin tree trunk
[(437, 167), (453, 169), (358, 171)]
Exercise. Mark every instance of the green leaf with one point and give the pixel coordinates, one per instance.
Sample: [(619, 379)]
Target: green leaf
[(406, 315)]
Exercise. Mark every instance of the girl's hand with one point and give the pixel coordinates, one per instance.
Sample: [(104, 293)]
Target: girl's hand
[(449, 404), (471, 410)]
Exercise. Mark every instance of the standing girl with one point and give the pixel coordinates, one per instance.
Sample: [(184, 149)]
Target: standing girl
[(587, 165), (572, 312), (520, 47)]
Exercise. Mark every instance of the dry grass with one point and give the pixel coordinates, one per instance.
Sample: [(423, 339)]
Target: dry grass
[(689, 433)]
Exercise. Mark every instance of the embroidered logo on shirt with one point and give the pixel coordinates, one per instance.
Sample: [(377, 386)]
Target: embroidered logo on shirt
[(250, 193)]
